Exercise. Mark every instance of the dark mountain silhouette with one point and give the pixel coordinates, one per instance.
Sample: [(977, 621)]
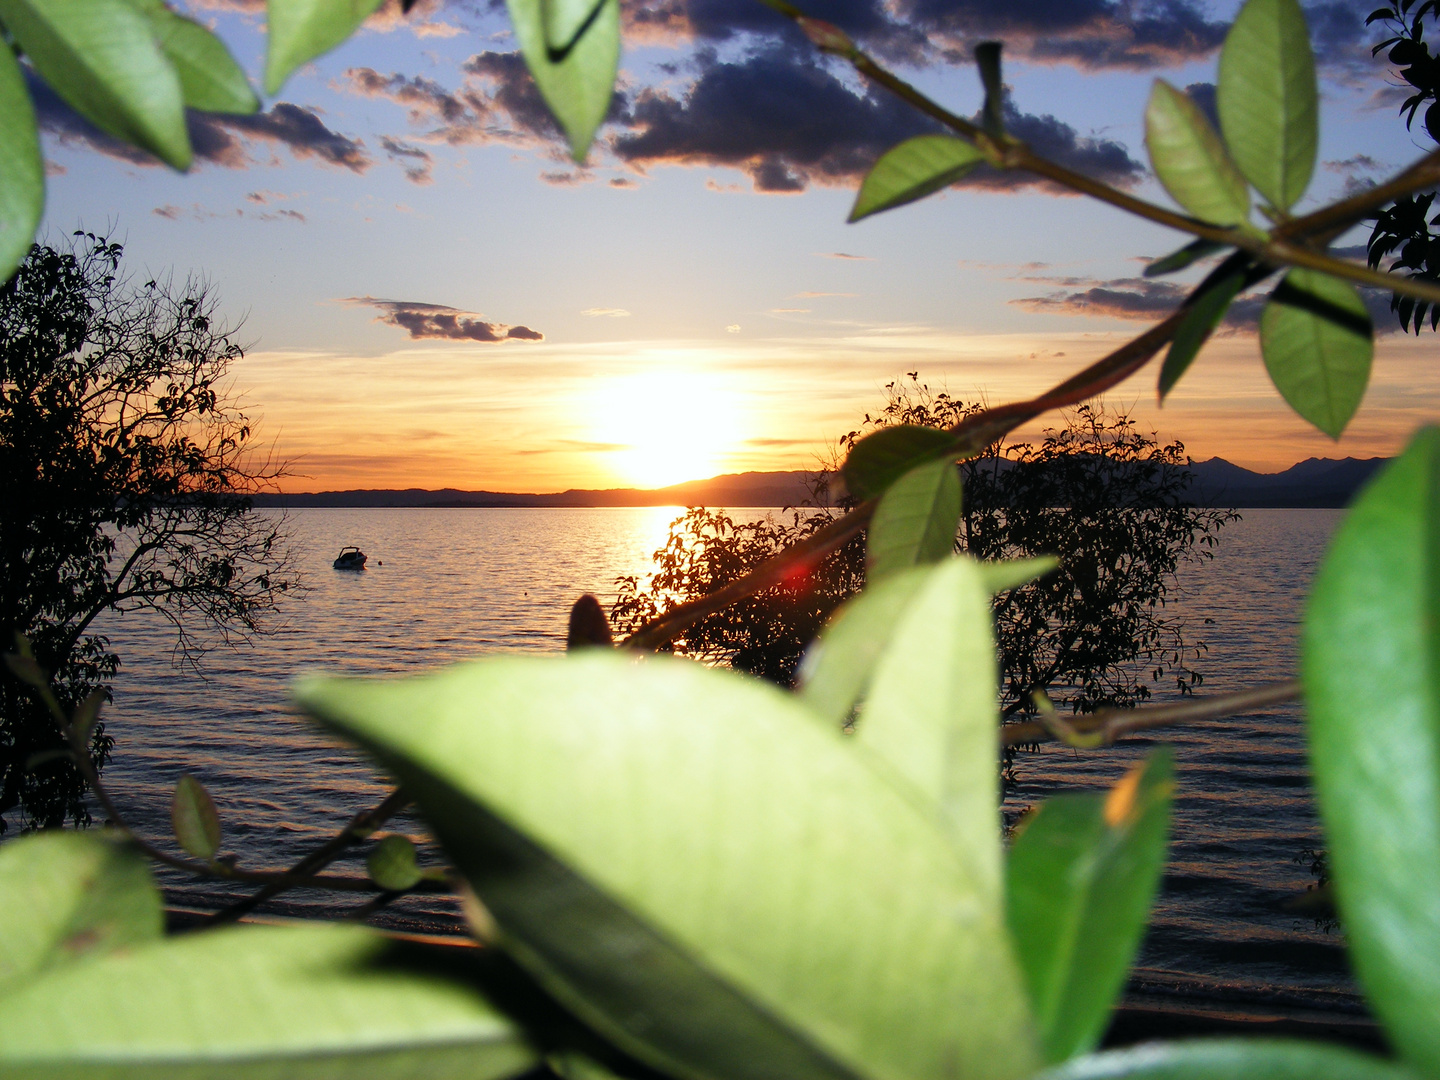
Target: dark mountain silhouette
[(1315, 482)]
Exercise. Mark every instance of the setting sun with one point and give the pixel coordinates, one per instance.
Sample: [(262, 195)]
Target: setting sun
[(666, 426)]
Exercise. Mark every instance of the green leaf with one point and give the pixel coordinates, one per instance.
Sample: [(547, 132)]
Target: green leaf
[(1185, 256), (879, 459), (721, 886), (1315, 336), (1197, 326), (320, 1001), (301, 30), (916, 520), (22, 170), (64, 895), (194, 819), (1268, 100), (392, 865), (578, 85), (917, 167), (102, 58), (838, 665), (1373, 705), (987, 59), (1080, 881), (1190, 160), (1012, 573), (564, 21), (210, 78), (1230, 1059), (932, 713)]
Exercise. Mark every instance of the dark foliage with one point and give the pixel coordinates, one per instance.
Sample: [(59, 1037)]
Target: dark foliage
[(1103, 496), (1404, 227), (125, 475)]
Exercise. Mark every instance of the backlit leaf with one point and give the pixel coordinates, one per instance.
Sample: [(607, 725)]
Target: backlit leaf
[(838, 665), (391, 864), (1373, 704), (22, 170), (1315, 336), (916, 168), (102, 58), (258, 1003), (1012, 573), (578, 85), (1268, 100), (879, 459), (1178, 260), (301, 30), (65, 895), (1080, 880), (916, 520), (1190, 160), (932, 713), (194, 819), (209, 76), (1230, 1059), (1197, 326), (720, 885)]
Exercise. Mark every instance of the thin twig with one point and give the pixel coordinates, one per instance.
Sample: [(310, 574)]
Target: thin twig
[(360, 827), (1111, 724)]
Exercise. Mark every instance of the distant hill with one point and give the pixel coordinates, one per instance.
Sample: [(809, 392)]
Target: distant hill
[(733, 489), (1315, 482)]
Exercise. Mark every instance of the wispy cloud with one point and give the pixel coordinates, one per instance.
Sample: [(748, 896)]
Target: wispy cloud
[(606, 312)]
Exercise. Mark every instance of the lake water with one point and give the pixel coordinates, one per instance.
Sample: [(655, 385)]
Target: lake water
[(446, 584)]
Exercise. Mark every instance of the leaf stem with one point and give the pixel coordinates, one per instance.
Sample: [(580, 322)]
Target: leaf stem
[(1107, 725)]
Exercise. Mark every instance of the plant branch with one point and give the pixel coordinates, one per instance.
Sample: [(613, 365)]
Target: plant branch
[(1107, 725), (1010, 153), (360, 827)]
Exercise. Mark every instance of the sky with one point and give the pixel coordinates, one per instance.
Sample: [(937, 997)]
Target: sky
[(432, 294)]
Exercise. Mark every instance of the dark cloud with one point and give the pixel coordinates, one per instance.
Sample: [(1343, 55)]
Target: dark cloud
[(215, 139), (1130, 34), (416, 162), (1203, 94), (435, 321), (790, 123), (1140, 299)]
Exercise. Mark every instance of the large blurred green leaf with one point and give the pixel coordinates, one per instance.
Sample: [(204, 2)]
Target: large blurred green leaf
[(101, 56), (722, 886), (916, 520), (1230, 1059), (838, 665), (932, 715), (245, 1003), (64, 895), (881, 458), (1080, 880), (910, 171), (1268, 100), (209, 76), (577, 86), (22, 170), (1373, 703), (1316, 338), (1190, 160), (1197, 326), (301, 30)]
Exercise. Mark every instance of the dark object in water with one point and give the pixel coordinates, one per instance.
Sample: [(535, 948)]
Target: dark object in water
[(350, 558), (588, 625)]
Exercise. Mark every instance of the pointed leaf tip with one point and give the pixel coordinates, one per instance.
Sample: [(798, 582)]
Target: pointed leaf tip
[(194, 819)]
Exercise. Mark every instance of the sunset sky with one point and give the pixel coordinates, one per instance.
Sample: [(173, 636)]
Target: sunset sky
[(434, 295)]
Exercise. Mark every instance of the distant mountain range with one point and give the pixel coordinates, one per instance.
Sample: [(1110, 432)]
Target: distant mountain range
[(1315, 482)]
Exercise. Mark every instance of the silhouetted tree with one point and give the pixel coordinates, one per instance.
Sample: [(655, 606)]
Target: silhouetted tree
[(1106, 498), (125, 471)]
